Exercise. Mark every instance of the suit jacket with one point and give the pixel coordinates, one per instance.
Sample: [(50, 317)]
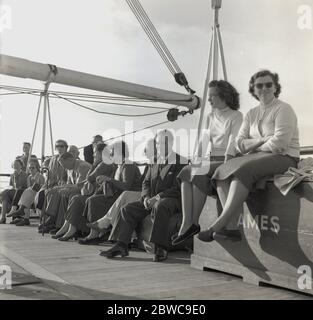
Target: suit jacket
[(163, 182), (88, 154), (57, 174), (127, 178)]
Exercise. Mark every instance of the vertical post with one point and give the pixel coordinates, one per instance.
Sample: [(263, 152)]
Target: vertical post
[(215, 48), (204, 99), (215, 45), (50, 125), (222, 53), (43, 146), (35, 129)]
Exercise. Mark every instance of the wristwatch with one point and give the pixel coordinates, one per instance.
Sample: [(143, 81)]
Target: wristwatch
[(157, 197)]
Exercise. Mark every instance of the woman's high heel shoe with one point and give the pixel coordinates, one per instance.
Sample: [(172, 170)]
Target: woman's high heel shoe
[(66, 238), (190, 232), (207, 235), (57, 236)]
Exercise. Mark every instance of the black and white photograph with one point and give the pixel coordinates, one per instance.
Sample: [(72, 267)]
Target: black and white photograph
[(155, 155)]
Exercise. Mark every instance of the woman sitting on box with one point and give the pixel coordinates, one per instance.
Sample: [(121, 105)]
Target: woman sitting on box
[(222, 127), (269, 142)]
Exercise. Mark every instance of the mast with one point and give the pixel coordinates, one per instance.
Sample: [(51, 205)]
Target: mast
[(22, 68)]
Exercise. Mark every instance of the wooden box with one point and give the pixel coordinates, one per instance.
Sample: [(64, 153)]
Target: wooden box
[(277, 239)]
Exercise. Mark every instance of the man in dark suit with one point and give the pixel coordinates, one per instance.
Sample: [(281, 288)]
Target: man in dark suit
[(89, 150), (160, 198)]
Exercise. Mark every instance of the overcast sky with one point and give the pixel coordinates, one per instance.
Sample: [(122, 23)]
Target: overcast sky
[(104, 38)]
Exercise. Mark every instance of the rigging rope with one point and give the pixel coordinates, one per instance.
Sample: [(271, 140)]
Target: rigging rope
[(135, 131), (158, 43), (109, 98), (109, 113)]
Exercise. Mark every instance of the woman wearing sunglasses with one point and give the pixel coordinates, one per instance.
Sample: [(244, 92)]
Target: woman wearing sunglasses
[(268, 141)]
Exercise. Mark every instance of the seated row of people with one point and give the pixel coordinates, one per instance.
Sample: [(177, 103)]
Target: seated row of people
[(108, 199)]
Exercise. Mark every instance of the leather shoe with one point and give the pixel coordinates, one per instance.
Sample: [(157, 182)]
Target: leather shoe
[(207, 235), (16, 220), (15, 214), (45, 229), (23, 222), (233, 235), (54, 231), (87, 241), (54, 236), (160, 254), (190, 232), (115, 251)]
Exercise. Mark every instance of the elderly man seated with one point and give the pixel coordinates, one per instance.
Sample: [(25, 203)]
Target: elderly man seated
[(160, 198)]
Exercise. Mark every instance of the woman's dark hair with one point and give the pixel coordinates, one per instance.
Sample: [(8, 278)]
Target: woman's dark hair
[(227, 93), (19, 161), (264, 73), (35, 163), (100, 146)]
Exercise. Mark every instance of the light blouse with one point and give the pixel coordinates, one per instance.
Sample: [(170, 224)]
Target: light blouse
[(223, 127)]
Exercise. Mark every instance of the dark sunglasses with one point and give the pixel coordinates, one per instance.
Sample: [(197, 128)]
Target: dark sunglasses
[(268, 85), (31, 168), (60, 146)]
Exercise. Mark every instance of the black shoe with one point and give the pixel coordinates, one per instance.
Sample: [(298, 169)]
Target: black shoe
[(190, 232), (66, 238), (16, 213), (115, 251), (16, 220), (160, 254), (207, 235), (87, 241), (46, 229), (23, 222), (3, 221), (57, 236), (233, 235), (54, 231)]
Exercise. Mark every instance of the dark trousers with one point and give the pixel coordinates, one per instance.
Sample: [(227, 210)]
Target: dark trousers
[(41, 199), (17, 197), (74, 213), (133, 213)]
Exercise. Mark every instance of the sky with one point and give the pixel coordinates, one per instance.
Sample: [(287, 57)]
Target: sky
[(104, 38)]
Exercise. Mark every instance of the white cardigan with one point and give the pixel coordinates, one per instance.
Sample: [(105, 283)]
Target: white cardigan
[(277, 121)]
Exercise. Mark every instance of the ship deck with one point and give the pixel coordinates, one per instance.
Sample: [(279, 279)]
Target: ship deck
[(44, 268)]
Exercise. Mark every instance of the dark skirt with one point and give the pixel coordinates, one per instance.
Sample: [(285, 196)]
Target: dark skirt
[(201, 181), (74, 213), (250, 168)]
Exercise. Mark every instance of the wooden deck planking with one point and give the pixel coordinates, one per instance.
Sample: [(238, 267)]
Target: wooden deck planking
[(86, 275)]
